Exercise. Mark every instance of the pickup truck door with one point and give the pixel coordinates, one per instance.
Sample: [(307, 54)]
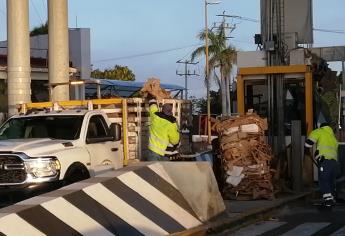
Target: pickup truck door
[(103, 153)]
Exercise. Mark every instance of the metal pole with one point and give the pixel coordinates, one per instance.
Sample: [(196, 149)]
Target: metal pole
[(296, 155), (339, 109), (343, 74), (18, 61), (207, 79), (342, 86), (185, 80), (58, 49)]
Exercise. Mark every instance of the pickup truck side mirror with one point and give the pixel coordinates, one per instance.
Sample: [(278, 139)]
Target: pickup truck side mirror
[(115, 131)]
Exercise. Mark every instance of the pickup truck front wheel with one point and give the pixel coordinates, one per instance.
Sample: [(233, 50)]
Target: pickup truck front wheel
[(76, 172)]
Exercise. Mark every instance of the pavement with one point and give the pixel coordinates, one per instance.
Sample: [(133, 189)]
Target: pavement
[(243, 212)]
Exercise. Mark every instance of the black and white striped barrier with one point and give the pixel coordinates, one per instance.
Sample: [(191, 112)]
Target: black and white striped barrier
[(145, 199)]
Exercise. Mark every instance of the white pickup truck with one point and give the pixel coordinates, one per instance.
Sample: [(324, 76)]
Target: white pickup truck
[(57, 147)]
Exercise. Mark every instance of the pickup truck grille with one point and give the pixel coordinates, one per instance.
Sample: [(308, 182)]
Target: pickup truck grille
[(12, 170)]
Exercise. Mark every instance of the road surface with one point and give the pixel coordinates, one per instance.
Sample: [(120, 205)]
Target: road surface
[(298, 221)]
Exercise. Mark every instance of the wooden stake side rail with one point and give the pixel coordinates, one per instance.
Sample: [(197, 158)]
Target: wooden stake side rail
[(135, 120)]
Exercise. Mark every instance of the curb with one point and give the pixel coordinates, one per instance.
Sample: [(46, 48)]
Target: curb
[(221, 225)]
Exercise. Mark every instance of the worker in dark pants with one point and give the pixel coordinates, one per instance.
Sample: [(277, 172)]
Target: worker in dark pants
[(326, 159), (163, 131)]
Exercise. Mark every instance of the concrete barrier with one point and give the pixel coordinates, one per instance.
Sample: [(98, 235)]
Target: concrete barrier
[(144, 199)]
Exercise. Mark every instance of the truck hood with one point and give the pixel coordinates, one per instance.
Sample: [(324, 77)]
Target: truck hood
[(34, 147)]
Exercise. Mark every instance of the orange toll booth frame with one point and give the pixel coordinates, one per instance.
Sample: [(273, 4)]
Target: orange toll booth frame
[(245, 72)]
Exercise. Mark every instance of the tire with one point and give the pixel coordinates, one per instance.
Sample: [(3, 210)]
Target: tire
[(75, 173)]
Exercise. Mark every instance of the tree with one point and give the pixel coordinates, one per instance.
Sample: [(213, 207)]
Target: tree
[(116, 73), (199, 105), (221, 57), (39, 30)]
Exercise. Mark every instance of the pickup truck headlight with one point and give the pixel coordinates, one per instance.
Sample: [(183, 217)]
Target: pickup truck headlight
[(43, 167)]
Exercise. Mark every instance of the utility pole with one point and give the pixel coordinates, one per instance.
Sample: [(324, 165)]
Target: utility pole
[(186, 73)]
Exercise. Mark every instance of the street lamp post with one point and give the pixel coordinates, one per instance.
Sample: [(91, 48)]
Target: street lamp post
[(207, 74)]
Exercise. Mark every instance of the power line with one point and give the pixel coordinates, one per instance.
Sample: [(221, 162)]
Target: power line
[(37, 12), (146, 54), (45, 8), (186, 73), (330, 31), (239, 17), (242, 41)]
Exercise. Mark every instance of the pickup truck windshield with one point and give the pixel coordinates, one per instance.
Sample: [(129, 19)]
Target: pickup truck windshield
[(54, 127)]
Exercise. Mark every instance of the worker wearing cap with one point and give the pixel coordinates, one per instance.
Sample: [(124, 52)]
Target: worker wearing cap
[(163, 131), (326, 160)]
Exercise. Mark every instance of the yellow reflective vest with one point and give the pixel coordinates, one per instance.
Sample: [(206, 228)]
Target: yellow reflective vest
[(163, 130), (326, 142)]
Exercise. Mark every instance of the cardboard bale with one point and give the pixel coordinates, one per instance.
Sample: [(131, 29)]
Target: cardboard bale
[(243, 147)]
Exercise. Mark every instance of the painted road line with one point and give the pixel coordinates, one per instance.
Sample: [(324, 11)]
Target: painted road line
[(160, 200), (119, 207), (165, 188), (75, 218), (46, 222), (258, 229), (144, 206), (306, 229), (14, 225), (101, 214), (339, 232)]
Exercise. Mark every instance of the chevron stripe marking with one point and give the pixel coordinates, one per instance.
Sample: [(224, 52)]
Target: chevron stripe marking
[(164, 187), (119, 207), (102, 215), (14, 225), (159, 199), (144, 206), (46, 222), (159, 170), (75, 218)]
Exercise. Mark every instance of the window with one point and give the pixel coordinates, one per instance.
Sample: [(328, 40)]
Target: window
[(97, 127), (54, 127)]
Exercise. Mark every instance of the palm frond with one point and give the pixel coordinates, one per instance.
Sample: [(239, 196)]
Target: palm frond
[(197, 53), (220, 55)]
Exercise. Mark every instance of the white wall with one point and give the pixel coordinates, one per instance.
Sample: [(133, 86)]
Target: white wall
[(79, 49)]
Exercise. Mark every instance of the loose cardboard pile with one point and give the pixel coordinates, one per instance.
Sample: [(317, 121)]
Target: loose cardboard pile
[(152, 86), (246, 158)]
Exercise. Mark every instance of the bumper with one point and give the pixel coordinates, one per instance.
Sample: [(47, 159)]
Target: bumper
[(29, 189)]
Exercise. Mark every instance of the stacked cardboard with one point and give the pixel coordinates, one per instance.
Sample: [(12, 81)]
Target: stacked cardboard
[(152, 86), (246, 158)]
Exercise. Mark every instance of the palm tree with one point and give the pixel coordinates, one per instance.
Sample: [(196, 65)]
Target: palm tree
[(221, 59)]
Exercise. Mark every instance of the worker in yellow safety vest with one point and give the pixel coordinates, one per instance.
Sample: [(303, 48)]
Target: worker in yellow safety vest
[(163, 131), (326, 160)]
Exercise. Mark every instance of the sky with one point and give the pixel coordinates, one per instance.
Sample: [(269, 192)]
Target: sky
[(150, 36)]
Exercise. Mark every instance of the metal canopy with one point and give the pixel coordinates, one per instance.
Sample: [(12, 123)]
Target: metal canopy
[(121, 88)]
